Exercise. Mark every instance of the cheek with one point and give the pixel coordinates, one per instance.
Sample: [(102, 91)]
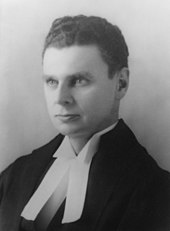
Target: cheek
[(48, 97), (49, 101), (100, 96), (94, 102), (103, 105)]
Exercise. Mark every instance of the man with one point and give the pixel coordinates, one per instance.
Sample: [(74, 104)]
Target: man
[(94, 175)]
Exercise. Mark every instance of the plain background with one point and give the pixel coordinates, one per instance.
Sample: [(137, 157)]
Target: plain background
[(24, 122)]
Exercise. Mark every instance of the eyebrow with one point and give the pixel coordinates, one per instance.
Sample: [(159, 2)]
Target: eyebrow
[(76, 74), (83, 73)]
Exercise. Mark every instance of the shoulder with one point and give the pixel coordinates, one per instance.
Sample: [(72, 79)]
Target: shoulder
[(30, 165), (130, 155), (152, 181)]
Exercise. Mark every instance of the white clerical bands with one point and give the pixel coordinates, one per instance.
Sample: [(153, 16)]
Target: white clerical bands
[(71, 171)]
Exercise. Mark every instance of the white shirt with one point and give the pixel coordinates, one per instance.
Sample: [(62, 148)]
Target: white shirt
[(69, 170)]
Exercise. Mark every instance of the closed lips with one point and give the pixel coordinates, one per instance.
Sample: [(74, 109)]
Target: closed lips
[(67, 115)]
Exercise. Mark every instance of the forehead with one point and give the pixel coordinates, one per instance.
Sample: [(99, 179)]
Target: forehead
[(74, 58)]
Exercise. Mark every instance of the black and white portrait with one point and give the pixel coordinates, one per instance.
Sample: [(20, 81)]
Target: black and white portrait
[(84, 115)]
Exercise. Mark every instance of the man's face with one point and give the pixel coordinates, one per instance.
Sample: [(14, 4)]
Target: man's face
[(81, 99)]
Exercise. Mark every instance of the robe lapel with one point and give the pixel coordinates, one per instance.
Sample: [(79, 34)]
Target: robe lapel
[(43, 161)]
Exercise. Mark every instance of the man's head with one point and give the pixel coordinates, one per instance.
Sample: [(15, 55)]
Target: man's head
[(82, 30), (85, 74)]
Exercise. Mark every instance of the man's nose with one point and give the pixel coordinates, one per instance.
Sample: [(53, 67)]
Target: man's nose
[(64, 95)]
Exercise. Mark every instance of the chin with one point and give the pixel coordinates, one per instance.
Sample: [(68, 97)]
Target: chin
[(66, 130), (72, 132)]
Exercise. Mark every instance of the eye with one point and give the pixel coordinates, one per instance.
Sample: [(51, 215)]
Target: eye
[(52, 82), (79, 81)]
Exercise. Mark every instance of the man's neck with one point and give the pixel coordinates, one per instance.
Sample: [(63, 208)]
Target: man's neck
[(78, 143)]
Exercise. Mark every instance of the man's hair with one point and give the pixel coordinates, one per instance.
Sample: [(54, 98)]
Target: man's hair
[(83, 30)]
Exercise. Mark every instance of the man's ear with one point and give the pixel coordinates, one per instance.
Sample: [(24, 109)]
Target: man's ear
[(122, 82)]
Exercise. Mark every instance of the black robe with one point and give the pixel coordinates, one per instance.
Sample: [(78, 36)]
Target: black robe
[(126, 191)]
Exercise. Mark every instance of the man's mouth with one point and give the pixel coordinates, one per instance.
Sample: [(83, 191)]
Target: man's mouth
[(67, 117)]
